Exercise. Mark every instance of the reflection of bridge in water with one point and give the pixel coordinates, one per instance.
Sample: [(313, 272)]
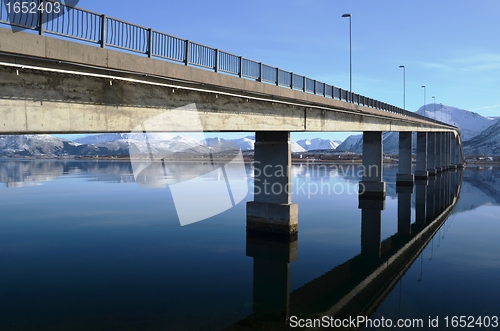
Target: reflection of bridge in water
[(358, 286)]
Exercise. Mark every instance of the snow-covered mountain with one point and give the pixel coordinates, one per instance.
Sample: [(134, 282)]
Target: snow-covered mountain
[(296, 148), (354, 143), (349, 143), (318, 143), (245, 144), (470, 123), (485, 143), (41, 144), (107, 137)]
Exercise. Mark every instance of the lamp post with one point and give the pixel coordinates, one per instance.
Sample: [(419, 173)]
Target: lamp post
[(350, 55), (404, 87), (423, 86)]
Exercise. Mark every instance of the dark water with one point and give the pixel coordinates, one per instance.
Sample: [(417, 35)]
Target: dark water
[(83, 247)]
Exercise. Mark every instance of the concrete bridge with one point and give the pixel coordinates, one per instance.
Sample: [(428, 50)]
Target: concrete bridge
[(84, 72)]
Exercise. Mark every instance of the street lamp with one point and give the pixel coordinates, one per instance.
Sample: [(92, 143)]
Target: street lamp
[(350, 55), (404, 87), (423, 86)]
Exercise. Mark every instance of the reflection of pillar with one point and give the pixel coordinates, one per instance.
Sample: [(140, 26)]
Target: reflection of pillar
[(404, 175), (421, 170), (438, 194), (404, 210), (371, 227), (372, 185), (272, 210), (430, 208), (420, 196), (449, 191), (431, 153), (453, 152), (454, 183), (271, 274)]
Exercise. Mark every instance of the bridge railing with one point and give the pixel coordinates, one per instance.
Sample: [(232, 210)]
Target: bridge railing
[(106, 31)]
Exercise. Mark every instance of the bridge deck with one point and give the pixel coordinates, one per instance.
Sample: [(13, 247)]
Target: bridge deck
[(51, 85)]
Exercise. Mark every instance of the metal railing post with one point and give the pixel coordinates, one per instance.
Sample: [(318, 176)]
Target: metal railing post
[(188, 46), (277, 76), (216, 69), (314, 87), (260, 72), (104, 28), (291, 80), (241, 67), (305, 84), (150, 46), (41, 18), (324, 89)]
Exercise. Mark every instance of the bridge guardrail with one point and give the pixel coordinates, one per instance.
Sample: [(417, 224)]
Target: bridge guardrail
[(106, 31)]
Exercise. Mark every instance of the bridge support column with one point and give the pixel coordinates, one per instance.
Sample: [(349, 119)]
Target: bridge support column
[(431, 153), (272, 211), (404, 175), (447, 150), (372, 186), (439, 152), (421, 170), (404, 210)]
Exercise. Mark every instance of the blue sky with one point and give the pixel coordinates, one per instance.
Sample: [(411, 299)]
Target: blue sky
[(450, 46)]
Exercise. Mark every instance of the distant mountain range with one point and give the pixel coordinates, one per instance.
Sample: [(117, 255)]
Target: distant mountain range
[(481, 136), (318, 143)]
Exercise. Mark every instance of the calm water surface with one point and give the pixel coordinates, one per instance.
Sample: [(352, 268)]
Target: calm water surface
[(83, 247)]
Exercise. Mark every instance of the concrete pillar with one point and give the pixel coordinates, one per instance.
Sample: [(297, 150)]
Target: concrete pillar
[(404, 175), (404, 209), (445, 151), (420, 197), (271, 275), (272, 211), (372, 186), (431, 153), (439, 152), (448, 150), (421, 169)]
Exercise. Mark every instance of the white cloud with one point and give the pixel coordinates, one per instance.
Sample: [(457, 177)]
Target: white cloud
[(473, 63)]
